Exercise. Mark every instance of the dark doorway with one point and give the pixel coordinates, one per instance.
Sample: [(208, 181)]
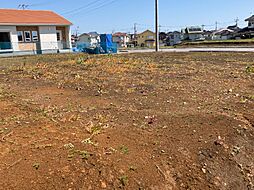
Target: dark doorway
[(5, 41)]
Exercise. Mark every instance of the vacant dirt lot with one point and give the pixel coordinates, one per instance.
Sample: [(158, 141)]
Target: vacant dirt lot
[(139, 121)]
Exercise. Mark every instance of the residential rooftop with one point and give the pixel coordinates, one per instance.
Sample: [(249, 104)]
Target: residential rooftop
[(31, 17), (250, 18)]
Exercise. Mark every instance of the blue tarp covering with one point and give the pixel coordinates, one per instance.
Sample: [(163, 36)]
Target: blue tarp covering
[(106, 46), (107, 43), (107, 39)]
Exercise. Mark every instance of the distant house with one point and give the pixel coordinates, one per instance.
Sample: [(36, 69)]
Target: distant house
[(146, 39), (174, 38), (193, 33), (91, 39), (247, 32), (33, 32), (223, 34), (207, 34), (133, 40), (122, 39), (163, 38), (234, 28), (250, 21)]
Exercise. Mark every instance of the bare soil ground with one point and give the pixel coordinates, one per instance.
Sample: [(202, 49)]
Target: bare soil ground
[(163, 121)]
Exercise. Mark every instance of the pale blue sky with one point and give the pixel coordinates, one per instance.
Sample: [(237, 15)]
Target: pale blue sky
[(120, 15)]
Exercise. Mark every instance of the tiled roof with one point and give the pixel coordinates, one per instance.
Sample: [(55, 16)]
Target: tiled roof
[(31, 17), (119, 34), (147, 31)]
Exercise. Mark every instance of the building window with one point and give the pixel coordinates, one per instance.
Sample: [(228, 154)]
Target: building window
[(58, 35), (20, 36), (27, 36), (35, 36)]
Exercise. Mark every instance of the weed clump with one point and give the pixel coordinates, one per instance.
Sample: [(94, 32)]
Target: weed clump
[(123, 180), (36, 166), (250, 69), (124, 149), (81, 60)]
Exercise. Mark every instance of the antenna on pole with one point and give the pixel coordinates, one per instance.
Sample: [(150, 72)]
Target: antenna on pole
[(216, 25), (203, 27), (23, 6), (77, 30), (157, 42), (236, 21), (135, 29)]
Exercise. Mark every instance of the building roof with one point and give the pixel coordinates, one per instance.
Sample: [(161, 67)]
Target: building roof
[(207, 32), (95, 34), (149, 31), (233, 27), (31, 17), (194, 30), (119, 34), (246, 30), (174, 32), (223, 32), (90, 34), (250, 18)]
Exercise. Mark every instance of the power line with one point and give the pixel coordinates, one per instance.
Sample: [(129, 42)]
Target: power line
[(42, 3), (83, 7), (102, 5), (91, 7), (167, 28)]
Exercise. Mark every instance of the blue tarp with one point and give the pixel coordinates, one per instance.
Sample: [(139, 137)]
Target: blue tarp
[(106, 46), (107, 39), (107, 43)]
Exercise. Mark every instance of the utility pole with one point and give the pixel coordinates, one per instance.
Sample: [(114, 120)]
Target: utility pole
[(135, 29), (236, 21), (157, 41), (216, 25), (203, 27), (135, 37), (77, 31)]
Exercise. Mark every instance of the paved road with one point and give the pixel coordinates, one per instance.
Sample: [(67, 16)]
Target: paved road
[(236, 49)]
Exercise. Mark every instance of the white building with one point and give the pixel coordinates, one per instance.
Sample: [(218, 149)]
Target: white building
[(250, 21), (33, 32), (91, 39), (193, 33), (122, 39), (223, 34), (174, 38)]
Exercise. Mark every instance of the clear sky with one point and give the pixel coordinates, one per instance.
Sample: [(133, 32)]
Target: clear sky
[(120, 15)]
